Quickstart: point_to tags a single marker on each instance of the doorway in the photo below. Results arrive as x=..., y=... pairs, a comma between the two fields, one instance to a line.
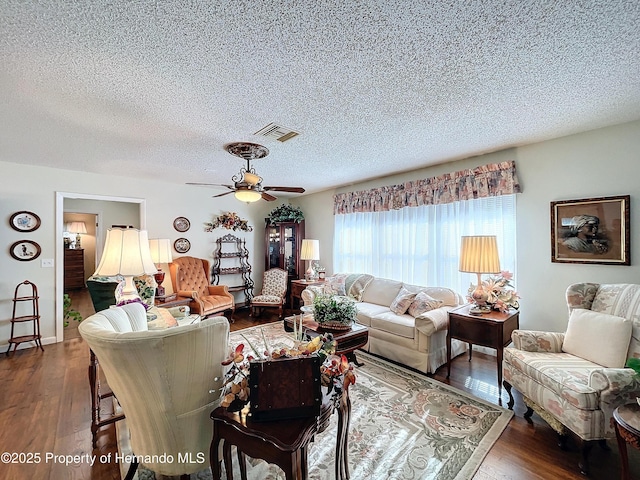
x=107, y=210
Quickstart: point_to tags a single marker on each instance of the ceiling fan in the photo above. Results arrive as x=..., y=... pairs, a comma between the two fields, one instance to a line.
x=247, y=184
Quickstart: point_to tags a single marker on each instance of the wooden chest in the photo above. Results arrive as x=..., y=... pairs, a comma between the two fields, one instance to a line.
x=285, y=388
x=73, y=268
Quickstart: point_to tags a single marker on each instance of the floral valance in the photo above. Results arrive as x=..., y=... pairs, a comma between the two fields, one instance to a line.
x=484, y=181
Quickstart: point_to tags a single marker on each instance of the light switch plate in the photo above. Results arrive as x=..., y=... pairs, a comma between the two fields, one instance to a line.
x=46, y=263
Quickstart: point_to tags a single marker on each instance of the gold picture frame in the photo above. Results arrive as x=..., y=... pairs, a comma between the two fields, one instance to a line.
x=591, y=230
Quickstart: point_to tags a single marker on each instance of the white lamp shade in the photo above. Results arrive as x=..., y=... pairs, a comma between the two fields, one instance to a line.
x=76, y=227
x=479, y=254
x=248, y=196
x=160, y=249
x=126, y=252
x=310, y=250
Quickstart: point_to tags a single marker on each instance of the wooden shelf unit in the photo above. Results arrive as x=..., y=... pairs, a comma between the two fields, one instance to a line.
x=232, y=248
x=34, y=317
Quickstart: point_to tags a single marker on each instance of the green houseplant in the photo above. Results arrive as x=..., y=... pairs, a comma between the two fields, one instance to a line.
x=334, y=312
x=68, y=313
x=286, y=213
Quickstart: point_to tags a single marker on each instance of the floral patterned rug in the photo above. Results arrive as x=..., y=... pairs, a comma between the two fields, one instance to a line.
x=403, y=425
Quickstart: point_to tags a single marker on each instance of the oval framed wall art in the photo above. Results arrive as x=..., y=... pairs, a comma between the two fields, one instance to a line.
x=25, y=250
x=181, y=224
x=24, y=221
x=182, y=245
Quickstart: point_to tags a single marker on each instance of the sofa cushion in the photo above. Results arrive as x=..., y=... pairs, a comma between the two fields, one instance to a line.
x=585, y=334
x=366, y=311
x=423, y=303
x=381, y=291
x=401, y=325
x=402, y=301
x=335, y=285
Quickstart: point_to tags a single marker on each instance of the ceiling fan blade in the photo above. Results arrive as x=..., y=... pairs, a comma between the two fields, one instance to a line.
x=285, y=189
x=212, y=185
x=267, y=197
x=222, y=194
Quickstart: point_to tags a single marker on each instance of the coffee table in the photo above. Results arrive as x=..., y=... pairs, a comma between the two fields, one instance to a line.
x=347, y=340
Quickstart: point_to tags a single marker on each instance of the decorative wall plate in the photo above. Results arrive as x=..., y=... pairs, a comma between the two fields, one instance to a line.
x=182, y=245
x=24, y=221
x=25, y=250
x=181, y=224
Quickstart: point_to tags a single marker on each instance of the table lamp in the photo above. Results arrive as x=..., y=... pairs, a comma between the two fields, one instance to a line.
x=160, y=253
x=126, y=252
x=310, y=250
x=479, y=254
x=77, y=228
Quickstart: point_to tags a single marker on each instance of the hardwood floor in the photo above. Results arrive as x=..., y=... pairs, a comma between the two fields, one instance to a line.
x=46, y=410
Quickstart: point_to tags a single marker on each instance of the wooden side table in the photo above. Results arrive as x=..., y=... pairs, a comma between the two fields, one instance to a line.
x=492, y=329
x=297, y=286
x=282, y=442
x=627, y=423
x=176, y=302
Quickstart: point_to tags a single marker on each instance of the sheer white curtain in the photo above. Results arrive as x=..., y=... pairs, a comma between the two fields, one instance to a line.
x=421, y=245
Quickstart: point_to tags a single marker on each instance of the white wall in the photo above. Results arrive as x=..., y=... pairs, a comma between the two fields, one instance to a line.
x=34, y=189
x=597, y=163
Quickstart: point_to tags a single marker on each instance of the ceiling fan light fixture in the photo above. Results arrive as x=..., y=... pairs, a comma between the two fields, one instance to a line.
x=248, y=196
x=251, y=178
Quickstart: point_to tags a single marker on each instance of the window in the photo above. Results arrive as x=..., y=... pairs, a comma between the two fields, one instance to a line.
x=421, y=245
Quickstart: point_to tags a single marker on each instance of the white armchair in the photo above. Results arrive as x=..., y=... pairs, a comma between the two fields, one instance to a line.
x=574, y=380
x=162, y=380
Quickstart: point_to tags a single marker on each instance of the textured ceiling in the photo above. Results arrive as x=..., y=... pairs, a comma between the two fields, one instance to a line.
x=155, y=88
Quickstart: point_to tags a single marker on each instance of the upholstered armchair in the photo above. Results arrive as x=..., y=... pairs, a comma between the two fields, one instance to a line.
x=162, y=380
x=574, y=380
x=106, y=291
x=190, y=277
x=274, y=291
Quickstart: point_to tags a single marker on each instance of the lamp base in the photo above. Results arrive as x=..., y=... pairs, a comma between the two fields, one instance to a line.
x=479, y=310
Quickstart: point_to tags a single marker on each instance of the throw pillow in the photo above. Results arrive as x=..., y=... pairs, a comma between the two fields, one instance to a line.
x=335, y=285
x=423, y=303
x=402, y=301
x=598, y=337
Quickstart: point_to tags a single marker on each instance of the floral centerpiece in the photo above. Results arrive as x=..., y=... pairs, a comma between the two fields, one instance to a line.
x=334, y=312
x=500, y=293
x=336, y=371
x=286, y=213
x=230, y=221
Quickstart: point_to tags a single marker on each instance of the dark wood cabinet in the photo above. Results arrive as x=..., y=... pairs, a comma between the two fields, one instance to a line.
x=283, y=241
x=73, y=268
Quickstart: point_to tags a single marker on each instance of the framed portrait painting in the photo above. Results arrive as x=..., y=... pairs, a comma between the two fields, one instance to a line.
x=591, y=230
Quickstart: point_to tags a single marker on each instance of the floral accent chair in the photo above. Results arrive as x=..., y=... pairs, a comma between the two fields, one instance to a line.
x=274, y=291
x=575, y=380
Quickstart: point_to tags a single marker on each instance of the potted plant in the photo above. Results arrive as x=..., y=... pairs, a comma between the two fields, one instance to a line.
x=68, y=313
x=286, y=213
x=334, y=312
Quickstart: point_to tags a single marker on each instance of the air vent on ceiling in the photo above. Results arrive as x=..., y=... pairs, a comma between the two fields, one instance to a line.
x=278, y=132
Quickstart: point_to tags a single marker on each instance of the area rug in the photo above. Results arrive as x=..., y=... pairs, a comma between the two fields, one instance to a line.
x=403, y=426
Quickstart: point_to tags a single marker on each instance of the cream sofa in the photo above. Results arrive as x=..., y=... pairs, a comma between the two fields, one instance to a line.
x=417, y=342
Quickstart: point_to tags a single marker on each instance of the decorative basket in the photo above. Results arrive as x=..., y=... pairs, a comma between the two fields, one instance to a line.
x=335, y=326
